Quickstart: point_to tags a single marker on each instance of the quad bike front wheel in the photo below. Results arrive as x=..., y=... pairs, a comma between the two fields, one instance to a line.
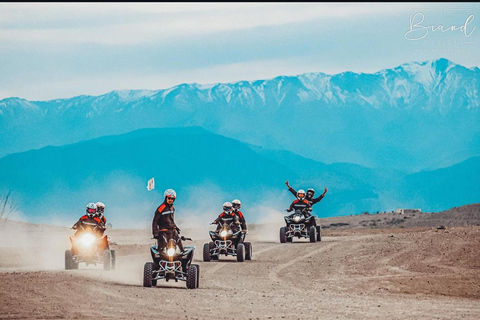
x=69, y=260
x=114, y=259
x=148, y=274
x=198, y=274
x=283, y=234
x=240, y=252
x=192, y=277
x=206, y=252
x=107, y=259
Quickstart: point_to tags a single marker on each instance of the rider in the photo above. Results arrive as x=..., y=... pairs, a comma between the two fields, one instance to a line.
x=90, y=218
x=302, y=204
x=100, y=212
x=310, y=194
x=227, y=216
x=236, y=205
x=163, y=225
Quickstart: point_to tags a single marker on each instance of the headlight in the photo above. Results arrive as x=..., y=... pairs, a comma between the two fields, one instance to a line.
x=296, y=218
x=223, y=233
x=170, y=252
x=86, y=240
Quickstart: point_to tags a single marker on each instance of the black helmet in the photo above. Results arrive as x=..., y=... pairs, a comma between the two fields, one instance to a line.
x=310, y=193
x=236, y=204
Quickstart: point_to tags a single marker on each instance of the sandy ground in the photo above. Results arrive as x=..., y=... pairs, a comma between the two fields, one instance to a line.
x=395, y=273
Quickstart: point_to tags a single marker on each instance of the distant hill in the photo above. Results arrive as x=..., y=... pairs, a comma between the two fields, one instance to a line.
x=467, y=215
x=207, y=169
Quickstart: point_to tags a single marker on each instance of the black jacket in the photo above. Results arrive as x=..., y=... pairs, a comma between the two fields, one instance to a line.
x=164, y=218
x=241, y=218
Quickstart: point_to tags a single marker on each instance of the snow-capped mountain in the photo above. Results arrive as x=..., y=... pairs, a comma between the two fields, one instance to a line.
x=414, y=116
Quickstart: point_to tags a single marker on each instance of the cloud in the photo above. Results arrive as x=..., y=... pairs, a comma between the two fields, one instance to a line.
x=132, y=24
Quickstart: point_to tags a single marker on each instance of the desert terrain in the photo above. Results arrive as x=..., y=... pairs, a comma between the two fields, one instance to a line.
x=365, y=267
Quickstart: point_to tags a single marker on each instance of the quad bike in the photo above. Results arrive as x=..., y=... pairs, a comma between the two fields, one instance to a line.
x=227, y=242
x=91, y=247
x=300, y=224
x=170, y=264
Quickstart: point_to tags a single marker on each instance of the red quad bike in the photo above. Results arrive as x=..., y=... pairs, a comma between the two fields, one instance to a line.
x=91, y=247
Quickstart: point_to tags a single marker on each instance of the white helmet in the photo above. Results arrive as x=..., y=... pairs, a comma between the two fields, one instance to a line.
x=301, y=194
x=91, y=209
x=227, y=207
x=236, y=204
x=100, y=208
x=170, y=193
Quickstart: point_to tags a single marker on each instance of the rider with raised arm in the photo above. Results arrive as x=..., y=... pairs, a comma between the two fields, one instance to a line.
x=310, y=194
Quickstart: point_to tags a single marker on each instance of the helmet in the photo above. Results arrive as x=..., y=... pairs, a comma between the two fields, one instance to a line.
x=91, y=209
x=100, y=208
x=170, y=193
x=236, y=204
x=227, y=207
x=310, y=193
x=301, y=194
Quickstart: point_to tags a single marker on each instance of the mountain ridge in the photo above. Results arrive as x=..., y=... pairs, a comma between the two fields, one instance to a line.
x=352, y=117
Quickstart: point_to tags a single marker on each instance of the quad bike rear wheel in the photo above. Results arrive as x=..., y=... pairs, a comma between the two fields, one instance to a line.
x=248, y=251
x=312, y=233
x=319, y=233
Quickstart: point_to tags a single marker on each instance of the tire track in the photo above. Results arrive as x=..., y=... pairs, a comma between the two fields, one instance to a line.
x=273, y=274
x=215, y=283
x=221, y=265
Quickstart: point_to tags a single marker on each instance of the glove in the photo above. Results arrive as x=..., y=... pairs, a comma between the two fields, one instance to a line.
x=155, y=235
x=182, y=238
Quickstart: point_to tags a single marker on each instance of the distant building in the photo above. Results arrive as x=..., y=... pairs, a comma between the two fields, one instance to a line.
x=404, y=211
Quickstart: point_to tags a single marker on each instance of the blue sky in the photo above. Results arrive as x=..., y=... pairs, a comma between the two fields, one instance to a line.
x=50, y=50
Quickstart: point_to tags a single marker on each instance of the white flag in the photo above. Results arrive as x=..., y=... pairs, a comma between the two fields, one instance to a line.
x=151, y=184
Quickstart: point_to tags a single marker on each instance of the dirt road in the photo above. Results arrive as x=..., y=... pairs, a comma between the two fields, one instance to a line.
x=416, y=273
